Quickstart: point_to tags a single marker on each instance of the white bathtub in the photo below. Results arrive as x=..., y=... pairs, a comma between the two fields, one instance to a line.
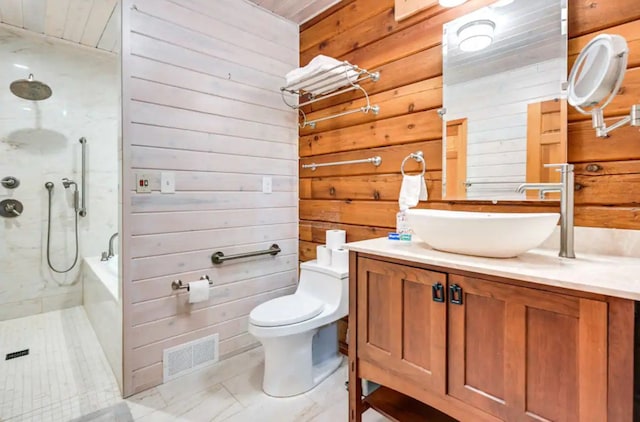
x=106, y=272
x=101, y=301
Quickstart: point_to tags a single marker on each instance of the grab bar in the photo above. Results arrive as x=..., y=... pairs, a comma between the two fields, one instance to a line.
x=219, y=257
x=376, y=161
x=83, y=208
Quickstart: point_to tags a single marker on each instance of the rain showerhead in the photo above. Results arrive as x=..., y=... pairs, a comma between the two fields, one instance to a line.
x=30, y=89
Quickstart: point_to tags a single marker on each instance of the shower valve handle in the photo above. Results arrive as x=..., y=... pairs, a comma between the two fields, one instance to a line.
x=11, y=209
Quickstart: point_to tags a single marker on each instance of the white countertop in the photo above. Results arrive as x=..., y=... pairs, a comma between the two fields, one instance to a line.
x=608, y=275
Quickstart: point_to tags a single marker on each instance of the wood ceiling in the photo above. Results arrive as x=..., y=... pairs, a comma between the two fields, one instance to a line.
x=92, y=23
x=298, y=11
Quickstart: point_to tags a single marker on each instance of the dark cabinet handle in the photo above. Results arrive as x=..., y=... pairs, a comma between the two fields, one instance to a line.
x=437, y=292
x=455, y=294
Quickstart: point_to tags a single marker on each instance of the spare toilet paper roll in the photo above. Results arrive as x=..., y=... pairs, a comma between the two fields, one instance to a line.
x=340, y=259
x=198, y=291
x=336, y=238
x=323, y=255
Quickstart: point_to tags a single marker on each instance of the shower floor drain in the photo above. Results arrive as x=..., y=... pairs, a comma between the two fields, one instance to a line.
x=17, y=354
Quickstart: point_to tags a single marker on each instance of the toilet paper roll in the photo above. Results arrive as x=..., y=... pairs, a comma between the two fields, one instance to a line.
x=340, y=259
x=336, y=238
x=198, y=291
x=323, y=255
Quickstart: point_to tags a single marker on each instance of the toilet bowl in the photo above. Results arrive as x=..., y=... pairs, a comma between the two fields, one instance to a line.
x=299, y=331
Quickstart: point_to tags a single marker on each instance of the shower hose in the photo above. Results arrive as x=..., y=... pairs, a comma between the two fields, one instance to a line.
x=75, y=260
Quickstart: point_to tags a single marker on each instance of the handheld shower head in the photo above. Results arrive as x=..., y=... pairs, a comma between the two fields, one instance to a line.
x=49, y=186
x=67, y=182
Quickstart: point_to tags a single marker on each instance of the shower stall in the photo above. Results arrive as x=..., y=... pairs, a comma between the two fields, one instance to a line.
x=59, y=187
x=59, y=140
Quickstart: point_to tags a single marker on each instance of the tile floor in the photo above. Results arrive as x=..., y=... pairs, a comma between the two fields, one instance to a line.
x=66, y=376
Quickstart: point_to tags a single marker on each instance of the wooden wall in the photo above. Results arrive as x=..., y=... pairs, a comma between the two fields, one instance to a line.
x=363, y=199
x=201, y=98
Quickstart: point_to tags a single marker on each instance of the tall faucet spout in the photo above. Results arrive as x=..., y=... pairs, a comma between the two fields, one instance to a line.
x=111, y=239
x=566, y=189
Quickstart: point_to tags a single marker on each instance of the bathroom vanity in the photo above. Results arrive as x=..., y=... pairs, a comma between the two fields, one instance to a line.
x=452, y=337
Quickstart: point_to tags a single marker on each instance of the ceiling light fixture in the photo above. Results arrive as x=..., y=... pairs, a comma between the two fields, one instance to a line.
x=501, y=3
x=476, y=35
x=451, y=3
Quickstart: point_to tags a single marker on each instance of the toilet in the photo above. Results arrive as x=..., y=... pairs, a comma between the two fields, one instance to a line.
x=299, y=331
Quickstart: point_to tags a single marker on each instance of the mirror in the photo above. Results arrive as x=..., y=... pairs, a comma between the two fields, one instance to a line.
x=595, y=79
x=504, y=109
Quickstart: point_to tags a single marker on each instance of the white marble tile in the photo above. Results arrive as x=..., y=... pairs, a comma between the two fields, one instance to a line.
x=591, y=240
x=174, y=390
x=212, y=404
x=39, y=142
x=145, y=403
x=293, y=409
x=20, y=309
x=62, y=301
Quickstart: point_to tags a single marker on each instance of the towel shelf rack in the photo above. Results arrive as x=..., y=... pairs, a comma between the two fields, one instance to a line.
x=376, y=161
x=340, y=79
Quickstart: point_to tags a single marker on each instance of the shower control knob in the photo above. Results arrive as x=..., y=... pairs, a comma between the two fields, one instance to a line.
x=10, y=208
x=10, y=182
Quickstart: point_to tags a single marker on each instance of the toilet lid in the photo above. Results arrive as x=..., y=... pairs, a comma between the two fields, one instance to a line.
x=285, y=310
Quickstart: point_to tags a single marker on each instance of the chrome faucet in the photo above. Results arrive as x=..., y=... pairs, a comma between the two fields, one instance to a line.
x=108, y=255
x=566, y=188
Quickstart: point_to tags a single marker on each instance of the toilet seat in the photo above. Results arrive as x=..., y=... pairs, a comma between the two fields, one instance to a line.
x=285, y=310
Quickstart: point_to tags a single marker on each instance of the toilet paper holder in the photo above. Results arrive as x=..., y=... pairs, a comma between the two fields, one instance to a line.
x=178, y=285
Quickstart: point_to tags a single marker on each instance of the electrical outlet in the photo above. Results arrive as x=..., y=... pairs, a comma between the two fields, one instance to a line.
x=143, y=185
x=167, y=182
x=267, y=184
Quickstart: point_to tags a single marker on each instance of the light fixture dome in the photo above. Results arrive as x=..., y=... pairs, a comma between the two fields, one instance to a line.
x=476, y=35
x=451, y=3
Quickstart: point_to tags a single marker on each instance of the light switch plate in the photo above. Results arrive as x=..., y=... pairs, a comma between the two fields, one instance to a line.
x=167, y=182
x=267, y=184
x=143, y=183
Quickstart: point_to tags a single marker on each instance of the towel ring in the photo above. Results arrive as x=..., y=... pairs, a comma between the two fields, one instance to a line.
x=418, y=156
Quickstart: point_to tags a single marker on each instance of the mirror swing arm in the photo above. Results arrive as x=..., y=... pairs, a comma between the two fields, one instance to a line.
x=598, y=74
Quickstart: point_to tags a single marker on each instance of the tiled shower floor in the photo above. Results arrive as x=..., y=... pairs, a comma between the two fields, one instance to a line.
x=65, y=375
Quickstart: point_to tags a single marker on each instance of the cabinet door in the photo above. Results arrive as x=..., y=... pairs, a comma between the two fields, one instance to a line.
x=526, y=355
x=402, y=321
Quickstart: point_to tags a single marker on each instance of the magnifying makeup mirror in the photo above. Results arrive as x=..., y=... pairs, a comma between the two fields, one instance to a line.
x=596, y=78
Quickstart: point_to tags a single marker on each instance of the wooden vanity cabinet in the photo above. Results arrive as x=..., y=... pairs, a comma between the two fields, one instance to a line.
x=400, y=325
x=487, y=350
x=523, y=354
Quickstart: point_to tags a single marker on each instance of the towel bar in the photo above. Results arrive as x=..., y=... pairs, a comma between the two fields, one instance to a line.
x=376, y=161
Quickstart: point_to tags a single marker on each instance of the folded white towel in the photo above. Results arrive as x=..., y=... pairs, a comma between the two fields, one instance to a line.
x=413, y=190
x=322, y=75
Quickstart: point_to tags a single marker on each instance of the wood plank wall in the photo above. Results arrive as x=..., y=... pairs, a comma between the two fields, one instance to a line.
x=201, y=98
x=362, y=198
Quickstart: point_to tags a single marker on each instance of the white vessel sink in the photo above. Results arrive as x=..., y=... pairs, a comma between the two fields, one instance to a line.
x=493, y=235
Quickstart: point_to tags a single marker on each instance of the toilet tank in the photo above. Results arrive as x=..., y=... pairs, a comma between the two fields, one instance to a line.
x=330, y=285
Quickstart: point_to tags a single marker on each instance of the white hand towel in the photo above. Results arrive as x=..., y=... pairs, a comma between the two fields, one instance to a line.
x=322, y=75
x=413, y=190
